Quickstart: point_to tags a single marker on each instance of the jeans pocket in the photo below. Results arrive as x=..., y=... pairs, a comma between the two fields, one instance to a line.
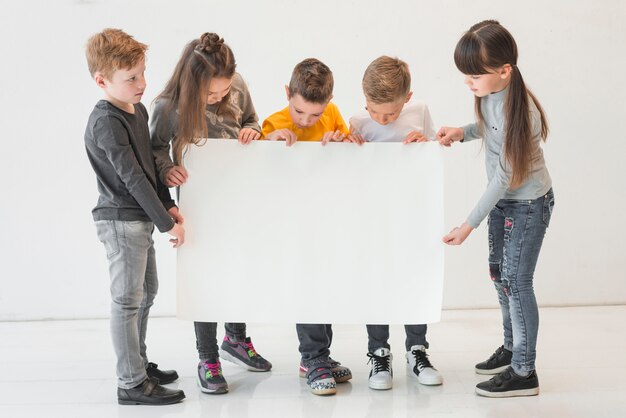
x=548, y=206
x=107, y=234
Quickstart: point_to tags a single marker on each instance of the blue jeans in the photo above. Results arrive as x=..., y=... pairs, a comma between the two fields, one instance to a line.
x=134, y=284
x=516, y=231
x=378, y=336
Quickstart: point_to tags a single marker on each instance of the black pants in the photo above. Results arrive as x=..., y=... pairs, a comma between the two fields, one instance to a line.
x=206, y=337
x=378, y=336
x=315, y=340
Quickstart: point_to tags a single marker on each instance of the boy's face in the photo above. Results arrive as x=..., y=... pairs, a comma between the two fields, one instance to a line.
x=126, y=86
x=304, y=114
x=385, y=113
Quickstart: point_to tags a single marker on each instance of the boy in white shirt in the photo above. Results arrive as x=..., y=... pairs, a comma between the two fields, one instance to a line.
x=390, y=117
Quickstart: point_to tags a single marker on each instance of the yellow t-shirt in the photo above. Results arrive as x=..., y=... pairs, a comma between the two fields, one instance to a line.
x=330, y=120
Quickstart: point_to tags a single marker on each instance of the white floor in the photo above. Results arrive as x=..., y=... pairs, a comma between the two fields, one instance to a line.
x=66, y=369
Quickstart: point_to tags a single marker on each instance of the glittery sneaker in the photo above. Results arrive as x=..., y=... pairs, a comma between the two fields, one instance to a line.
x=507, y=384
x=417, y=360
x=340, y=373
x=210, y=378
x=498, y=362
x=243, y=354
x=321, y=381
x=381, y=375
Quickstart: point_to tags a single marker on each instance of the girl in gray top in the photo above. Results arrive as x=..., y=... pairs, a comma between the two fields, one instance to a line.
x=518, y=200
x=206, y=98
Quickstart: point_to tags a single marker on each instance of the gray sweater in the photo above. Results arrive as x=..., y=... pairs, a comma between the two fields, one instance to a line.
x=164, y=125
x=499, y=171
x=118, y=148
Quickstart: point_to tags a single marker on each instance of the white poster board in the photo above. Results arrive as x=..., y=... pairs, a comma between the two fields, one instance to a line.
x=312, y=234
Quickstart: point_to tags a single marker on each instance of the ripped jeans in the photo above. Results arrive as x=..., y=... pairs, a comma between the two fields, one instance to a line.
x=516, y=231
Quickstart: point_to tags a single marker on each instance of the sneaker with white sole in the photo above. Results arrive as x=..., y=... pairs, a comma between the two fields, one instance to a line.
x=507, y=384
x=340, y=373
x=321, y=381
x=417, y=360
x=243, y=354
x=210, y=378
x=381, y=375
x=498, y=362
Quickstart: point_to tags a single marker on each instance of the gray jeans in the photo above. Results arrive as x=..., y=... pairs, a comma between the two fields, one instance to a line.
x=134, y=283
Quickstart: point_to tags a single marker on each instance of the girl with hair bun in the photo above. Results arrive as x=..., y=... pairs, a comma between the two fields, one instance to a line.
x=206, y=98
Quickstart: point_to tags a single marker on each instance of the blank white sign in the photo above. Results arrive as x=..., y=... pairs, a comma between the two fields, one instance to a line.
x=312, y=234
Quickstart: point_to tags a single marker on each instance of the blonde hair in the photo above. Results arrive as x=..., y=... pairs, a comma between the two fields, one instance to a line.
x=386, y=80
x=112, y=50
x=313, y=80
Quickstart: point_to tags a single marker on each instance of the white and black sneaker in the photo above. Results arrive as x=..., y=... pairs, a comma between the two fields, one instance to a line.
x=381, y=375
x=417, y=360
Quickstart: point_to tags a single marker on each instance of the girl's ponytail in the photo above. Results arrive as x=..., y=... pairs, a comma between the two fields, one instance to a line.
x=488, y=46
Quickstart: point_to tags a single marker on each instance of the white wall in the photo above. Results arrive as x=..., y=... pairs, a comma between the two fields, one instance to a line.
x=51, y=264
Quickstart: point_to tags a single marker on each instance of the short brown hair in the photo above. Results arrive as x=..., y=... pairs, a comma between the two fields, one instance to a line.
x=386, y=80
x=112, y=50
x=313, y=80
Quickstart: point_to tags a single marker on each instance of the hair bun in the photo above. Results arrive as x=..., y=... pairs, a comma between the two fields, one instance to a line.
x=210, y=42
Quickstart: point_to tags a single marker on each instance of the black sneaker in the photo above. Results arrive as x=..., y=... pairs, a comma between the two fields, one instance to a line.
x=508, y=384
x=495, y=364
x=149, y=393
x=164, y=376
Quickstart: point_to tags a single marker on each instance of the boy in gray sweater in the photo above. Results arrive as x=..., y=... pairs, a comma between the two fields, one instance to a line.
x=132, y=201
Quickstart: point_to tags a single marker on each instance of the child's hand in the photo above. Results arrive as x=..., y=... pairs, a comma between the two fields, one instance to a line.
x=283, y=135
x=247, y=135
x=178, y=232
x=415, y=136
x=447, y=135
x=356, y=138
x=458, y=234
x=176, y=215
x=176, y=176
x=336, y=136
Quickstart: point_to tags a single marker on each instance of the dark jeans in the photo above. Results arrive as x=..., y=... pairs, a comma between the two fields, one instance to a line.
x=516, y=231
x=206, y=337
x=378, y=336
x=315, y=341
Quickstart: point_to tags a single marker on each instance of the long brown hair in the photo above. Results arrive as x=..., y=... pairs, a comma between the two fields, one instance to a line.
x=186, y=91
x=487, y=46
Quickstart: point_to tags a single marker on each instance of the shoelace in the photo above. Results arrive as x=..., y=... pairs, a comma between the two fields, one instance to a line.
x=380, y=364
x=251, y=351
x=214, y=368
x=421, y=359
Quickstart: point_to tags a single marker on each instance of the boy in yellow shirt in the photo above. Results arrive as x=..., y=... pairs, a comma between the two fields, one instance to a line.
x=311, y=117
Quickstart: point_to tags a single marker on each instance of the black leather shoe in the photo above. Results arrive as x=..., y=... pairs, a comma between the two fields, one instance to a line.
x=164, y=376
x=149, y=393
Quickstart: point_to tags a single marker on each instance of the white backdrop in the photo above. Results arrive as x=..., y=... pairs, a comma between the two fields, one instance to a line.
x=51, y=264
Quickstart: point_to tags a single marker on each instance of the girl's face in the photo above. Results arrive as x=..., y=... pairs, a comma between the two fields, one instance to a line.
x=218, y=88
x=494, y=81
